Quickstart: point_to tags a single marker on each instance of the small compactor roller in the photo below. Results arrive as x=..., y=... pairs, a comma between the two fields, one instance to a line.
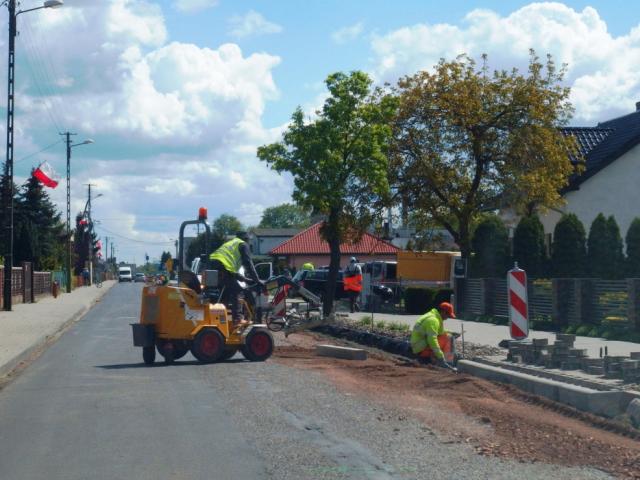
x=175, y=319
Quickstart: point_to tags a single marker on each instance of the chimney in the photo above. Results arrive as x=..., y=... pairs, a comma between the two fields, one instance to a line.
x=637, y=106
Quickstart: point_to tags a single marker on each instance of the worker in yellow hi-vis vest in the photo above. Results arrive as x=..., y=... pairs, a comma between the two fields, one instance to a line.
x=228, y=259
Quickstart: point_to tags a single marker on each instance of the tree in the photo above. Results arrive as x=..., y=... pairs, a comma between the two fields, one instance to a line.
x=528, y=246
x=286, y=215
x=569, y=253
x=616, y=267
x=491, y=249
x=632, y=240
x=604, y=249
x=197, y=246
x=226, y=225
x=467, y=141
x=339, y=162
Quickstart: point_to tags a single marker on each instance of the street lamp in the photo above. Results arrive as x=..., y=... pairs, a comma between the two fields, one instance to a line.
x=69, y=147
x=8, y=259
x=87, y=213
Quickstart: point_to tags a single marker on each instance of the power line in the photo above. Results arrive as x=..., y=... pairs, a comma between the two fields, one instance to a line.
x=39, y=151
x=133, y=239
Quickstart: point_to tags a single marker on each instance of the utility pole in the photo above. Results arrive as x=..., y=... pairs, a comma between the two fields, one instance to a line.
x=88, y=209
x=68, y=256
x=8, y=166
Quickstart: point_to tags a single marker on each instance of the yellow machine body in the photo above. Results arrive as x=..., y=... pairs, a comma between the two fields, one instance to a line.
x=178, y=313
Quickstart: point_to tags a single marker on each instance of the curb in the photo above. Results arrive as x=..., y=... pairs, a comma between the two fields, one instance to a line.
x=18, y=361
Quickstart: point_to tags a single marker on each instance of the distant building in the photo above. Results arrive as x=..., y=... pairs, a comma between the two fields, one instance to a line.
x=308, y=246
x=263, y=240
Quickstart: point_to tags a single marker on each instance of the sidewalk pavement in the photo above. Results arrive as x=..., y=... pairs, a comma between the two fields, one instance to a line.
x=489, y=334
x=30, y=325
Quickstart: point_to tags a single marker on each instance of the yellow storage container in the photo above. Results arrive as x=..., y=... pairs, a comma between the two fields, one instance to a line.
x=426, y=266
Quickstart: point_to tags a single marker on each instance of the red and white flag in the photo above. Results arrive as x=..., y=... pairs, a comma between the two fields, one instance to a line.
x=47, y=175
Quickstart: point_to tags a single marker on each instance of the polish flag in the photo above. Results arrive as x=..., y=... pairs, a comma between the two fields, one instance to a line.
x=47, y=175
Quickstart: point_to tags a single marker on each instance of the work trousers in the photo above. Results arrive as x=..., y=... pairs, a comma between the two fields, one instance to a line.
x=232, y=289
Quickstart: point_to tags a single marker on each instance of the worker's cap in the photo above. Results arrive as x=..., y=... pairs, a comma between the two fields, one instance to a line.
x=447, y=308
x=354, y=259
x=242, y=235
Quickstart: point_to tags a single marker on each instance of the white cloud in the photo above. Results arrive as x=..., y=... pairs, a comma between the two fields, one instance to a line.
x=347, y=34
x=176, y=125
x=604, y=70
x=250, y=24
x=192, y=6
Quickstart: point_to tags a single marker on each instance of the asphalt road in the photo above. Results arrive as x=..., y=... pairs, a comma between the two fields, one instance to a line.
x=88, y=408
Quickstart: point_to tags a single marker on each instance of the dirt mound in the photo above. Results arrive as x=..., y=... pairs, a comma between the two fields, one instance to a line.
x=497, y=419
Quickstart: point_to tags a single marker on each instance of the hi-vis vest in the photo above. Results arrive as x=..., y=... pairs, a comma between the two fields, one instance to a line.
x=229, y=255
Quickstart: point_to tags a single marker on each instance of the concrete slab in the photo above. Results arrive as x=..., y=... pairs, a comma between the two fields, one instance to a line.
x=347, y=353
x=606, y=403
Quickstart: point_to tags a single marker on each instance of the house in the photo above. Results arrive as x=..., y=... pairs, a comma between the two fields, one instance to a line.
x=610, y=180
x=263, y=240
x=308, y=246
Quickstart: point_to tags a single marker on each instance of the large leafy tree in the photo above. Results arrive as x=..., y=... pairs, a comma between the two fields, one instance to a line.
x=226, y=225
x=467, y=140
x=286, y=215
x=528, y=246
x=339, y=161
x=38, y=228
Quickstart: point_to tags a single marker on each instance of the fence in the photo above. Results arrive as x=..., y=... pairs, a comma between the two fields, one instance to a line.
x=561, y=301
x=26, y=285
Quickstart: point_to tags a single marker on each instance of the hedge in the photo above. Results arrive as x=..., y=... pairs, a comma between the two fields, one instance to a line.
x=419, y=300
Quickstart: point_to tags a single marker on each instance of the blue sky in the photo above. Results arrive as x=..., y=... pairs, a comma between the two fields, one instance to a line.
x=178, y=94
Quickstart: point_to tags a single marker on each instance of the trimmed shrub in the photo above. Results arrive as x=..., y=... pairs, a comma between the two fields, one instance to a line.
x=571, y=329
x=528, y=246
x=569, y=250
x=604, y=249
x=632, y=240
x=594, y=332
x=583, y=330
x=490, y=244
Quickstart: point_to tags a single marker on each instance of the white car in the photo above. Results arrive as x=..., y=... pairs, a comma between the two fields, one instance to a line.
x=125, y=275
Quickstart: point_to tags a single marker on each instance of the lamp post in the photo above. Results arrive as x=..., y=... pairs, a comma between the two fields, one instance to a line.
x=69, y=147
x=8, y=172
x=87, y=214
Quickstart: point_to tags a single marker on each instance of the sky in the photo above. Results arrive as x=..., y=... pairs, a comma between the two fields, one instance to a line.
x=178, y=94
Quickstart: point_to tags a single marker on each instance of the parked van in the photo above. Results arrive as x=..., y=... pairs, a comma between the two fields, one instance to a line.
x=124, y=274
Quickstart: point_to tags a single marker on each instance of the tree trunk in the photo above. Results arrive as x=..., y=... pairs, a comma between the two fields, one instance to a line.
x=334, y=265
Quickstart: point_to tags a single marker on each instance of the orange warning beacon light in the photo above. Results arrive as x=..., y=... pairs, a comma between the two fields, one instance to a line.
x=202, y=213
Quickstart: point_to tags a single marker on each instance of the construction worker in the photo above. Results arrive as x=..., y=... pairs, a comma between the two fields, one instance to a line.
x=353, y=283
x=228, y=259
x=308, y=266
x=430, y=342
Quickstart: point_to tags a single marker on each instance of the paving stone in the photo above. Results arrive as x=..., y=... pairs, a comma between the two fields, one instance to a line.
x=341, y=352
x=595, y=370
x=633, y=410
x=635, y=355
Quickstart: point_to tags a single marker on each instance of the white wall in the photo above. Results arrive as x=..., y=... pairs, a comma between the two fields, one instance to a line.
x=614, y=190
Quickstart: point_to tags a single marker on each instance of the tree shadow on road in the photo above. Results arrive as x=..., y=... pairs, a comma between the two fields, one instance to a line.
x=124, y=366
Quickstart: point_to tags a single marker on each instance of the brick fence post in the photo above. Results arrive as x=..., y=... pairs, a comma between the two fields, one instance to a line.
x=584, y=289
x=559, y=304
x=633, y=303
x=488, y=295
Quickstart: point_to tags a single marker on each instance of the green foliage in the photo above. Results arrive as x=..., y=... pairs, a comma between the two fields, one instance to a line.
x=632, y=240
x=571, y=329
x=286, y=215
x=380, y=325
x=39, y=234
x=569, y=251
x=339, y=161
x=528, y=246
x=604, y=249
x=226, y=225
x=465, y=136
x=491, y=249
x=583, y=330
x=419, y=300
x=365, y=320
x=594, y=332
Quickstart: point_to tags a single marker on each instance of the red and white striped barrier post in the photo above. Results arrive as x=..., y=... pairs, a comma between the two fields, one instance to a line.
x=518, y=303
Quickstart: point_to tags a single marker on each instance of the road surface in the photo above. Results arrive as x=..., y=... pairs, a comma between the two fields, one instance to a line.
x=88, y=408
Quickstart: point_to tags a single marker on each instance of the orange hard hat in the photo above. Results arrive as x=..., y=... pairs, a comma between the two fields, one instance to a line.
x=447, y=308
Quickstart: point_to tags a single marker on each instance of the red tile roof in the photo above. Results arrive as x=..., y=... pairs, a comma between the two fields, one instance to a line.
x=309, y=242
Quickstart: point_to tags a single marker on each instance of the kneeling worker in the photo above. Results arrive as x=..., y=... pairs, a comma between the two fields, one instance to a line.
x=229, y=258
x=429, y=338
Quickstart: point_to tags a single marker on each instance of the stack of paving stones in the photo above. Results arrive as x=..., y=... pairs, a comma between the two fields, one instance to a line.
x=562, y=354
